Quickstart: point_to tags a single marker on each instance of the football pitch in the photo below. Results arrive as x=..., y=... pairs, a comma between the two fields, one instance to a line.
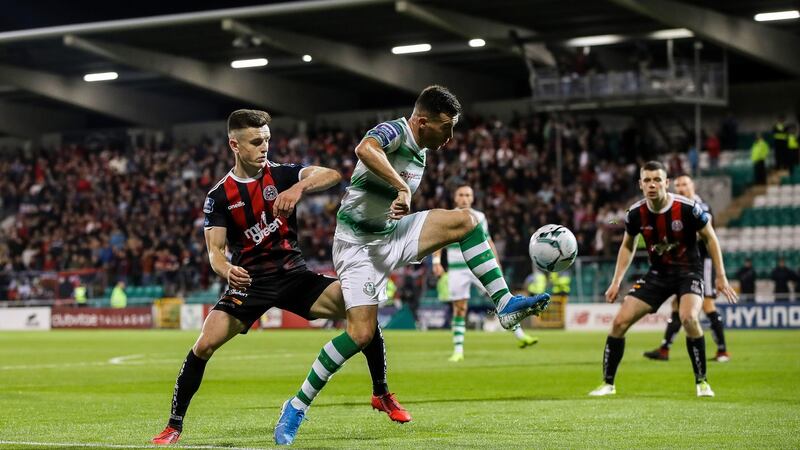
x=112, y=389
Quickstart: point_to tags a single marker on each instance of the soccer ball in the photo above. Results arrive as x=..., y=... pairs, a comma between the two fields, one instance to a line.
x=553, y=248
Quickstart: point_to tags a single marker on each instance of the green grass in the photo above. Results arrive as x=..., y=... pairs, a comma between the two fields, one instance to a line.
x=58, y=387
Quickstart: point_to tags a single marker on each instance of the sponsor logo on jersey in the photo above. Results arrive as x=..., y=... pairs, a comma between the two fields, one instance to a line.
x=677, y=225
x=270, y=193
x=236, y=205
x=262, y=229
x=410, y=176
x=208, y=206
x=664, y=247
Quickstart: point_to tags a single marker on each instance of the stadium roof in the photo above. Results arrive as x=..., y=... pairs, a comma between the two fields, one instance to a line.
x=173, y=58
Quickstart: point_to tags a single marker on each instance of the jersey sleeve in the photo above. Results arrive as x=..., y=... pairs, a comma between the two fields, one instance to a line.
x=214, y=209
x=286, y=175
x=388, y=134
x=632, y=219
x=699, y=217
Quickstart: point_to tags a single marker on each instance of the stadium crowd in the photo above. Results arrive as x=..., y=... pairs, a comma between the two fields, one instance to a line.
x=135, y=214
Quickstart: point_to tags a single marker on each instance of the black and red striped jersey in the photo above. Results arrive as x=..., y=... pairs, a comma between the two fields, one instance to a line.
x=260, y=242
x=670, y=235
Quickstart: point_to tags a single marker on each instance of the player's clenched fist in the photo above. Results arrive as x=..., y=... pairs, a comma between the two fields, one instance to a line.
x=238, y=277
x=286, y=201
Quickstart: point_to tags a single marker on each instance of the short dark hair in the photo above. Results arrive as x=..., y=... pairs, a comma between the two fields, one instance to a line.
x=682, y=174
x=436, y=100
x=247, y=118
x=654, y=165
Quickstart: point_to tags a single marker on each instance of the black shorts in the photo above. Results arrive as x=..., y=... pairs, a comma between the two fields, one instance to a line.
x=293, y=291
x=709, y=278
x=655, y=288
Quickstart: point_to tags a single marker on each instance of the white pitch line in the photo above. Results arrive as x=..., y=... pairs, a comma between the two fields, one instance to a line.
x=99, y=445
x=123, y=359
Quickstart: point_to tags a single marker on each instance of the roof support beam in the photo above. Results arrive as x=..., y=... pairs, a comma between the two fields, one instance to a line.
x=137, y=107
x=26, y=121
x=774, y=47
x=275, y=9
x=405, y=73
x=268, y=91
x=496, y=34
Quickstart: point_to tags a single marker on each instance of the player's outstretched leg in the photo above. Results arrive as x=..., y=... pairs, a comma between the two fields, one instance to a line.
x=382, y=399
x=662, y=352
x=525, y=340
x=218, y=328
x=443, y=227
x=483, y=264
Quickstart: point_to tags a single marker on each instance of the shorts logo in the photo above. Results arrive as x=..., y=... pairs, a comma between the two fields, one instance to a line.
x=697, y=287
x=270, y=193
x=677, y=225
x=369, y=288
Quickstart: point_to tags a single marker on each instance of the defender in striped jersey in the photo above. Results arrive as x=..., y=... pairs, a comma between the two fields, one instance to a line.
x=460, y=279
x=670, y=225
x=251, y=211
x=376, y=233
x=685, y=186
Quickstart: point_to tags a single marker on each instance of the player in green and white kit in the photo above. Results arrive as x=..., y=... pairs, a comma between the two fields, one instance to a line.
x=376, y=233
x=460, y=279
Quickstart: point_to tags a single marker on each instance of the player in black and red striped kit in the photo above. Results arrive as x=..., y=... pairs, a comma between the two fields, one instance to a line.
x=251, y=212
x=685, y=186
x=671, y=225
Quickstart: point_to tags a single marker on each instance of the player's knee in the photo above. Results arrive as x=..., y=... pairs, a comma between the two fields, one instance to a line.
x=690, y=322
x=619, y=326
x=464, y=222
x=362, y=337
x=204, y=349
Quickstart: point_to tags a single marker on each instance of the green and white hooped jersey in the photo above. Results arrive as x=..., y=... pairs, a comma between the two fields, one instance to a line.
x=455, y=259
x=363, y=217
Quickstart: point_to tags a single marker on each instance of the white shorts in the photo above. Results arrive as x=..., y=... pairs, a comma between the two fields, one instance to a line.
x=459, y=282
x=364, y=270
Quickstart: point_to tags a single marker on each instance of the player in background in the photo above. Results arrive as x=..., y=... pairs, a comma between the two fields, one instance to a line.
x=251, y=210
x=376, y=233
x=671, y=225
x=685, y=186
x=460, y=279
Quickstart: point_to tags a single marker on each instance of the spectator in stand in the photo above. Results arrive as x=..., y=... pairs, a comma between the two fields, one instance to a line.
x=792, y=146
x=758, y=155
x=729, y=131
x=782, y=275
x=780, y=143
x=747, y=281
x=713, y=147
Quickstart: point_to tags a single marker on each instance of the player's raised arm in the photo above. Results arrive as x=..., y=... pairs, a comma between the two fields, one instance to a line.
x=709, y=236
x=624, y=258
x=236, y=276
x=312, y=179
x=370, y=153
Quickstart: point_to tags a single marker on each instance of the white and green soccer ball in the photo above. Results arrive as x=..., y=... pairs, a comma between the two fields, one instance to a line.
x=553, y=248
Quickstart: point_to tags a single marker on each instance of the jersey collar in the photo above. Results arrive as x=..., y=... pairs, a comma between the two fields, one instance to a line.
x=247, y=180
x=665, y=208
